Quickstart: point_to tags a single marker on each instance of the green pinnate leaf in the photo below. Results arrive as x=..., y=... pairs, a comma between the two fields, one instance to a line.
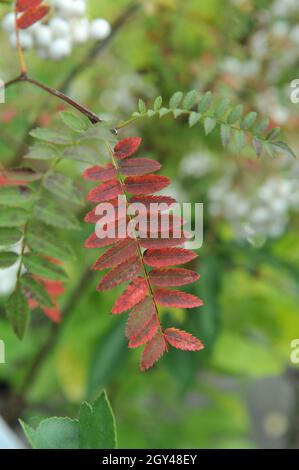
x=9, y=236
x=52, y=136
x=225, y=132
x=141, y=106
x=240, y=140
x=18, y=313
x=16, y=196
x=221, y=108
x=43, y=240
x=13, y=217
x=50, y=213
x=42, y=151
x=194, y=118
x=36, y=289
x=157, y=103
x=273, y=134
x=63, y=187
x=248, y=120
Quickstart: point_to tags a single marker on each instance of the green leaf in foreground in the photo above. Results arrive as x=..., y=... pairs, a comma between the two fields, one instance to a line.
x=43, y=267
x=18, y=313
x=63, y=187
x=43, y=240
x=15, y=196
x=52, y=137
x=95, y=429
x=50, y=213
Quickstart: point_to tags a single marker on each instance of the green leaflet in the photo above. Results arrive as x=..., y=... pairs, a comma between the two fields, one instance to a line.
x=75, y=122
x=95, y=429
x=50, y=213
x=16, y=196
x=63, y=187
x=43, y=267
x=41, y=151
x=13, y=217
x=37, y=290
x=51, y=136
x=9, y=236
x=44, y=240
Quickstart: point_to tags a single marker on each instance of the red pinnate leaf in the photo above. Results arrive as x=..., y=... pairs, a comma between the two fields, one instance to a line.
x=133, y=294
x=92, y=217
x=138, y=166
x=124, y=272
x=118, y=253
x=126, y=147
x=100, y=173
x=176, y=298
x=32, y=15
x=140, y=316
x=94, y=242
x=106, y=191
x=168, y=257
x=147, y=184
x=147, y=333
x=23, y=5
x=152, y=352
x=172, y=277
x=182, y=340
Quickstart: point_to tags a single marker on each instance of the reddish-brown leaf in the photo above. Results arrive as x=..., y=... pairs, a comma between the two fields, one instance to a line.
x=23, y=5
x=126, y=147
x=153, y=225
x=146, y=334
x=182, y=340
x=147, y=184
x=140, y=316
x=124, y=272
x=118, y=253
x=161, y=242
x=138, y=166
x=100, y=173
x=168, y=257
x=152, y=352
x=176, y=298
x=134, y=293
x=32, y=15
x=150, y=202
x=172, y=277
x=106, y=191
x=94, y=242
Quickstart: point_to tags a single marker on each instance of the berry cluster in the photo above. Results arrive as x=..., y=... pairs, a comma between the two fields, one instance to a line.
x=65, y=27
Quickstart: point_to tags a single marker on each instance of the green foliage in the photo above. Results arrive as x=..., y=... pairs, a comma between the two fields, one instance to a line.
x=94, y=429
x=233, y=124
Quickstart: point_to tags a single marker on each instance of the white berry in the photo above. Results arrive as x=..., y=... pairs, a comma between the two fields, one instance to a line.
x=43, y=36
x=100, y=29
x=60, y=28
x=59, y=49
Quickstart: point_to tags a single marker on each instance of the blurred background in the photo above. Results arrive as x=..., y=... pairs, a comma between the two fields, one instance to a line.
x=242, y=391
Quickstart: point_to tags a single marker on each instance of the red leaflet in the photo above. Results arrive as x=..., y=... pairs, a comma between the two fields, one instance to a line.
x=94, y=242
x=140, y=315
x=138, y=166
x=118, y=253
x=93, y=218
x=133, y=294
x=147, y=184
x=176, y=298
x=152, y=352
x=122, y=273
x=126, y=147
x=150, y=202
x=172, y=277
x=106, y=191
x=168, y=257
x=32, y=15
x=100, y=173
x=182, y=340
x=23, y=5
x=146, y=334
